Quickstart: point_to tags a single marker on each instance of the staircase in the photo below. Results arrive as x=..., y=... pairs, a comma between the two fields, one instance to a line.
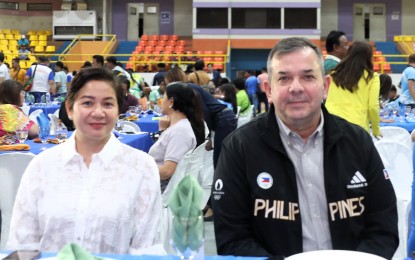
x=125, y=47
x=390, y=48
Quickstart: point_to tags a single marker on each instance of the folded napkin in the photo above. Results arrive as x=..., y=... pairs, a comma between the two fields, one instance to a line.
x=74, y=252
x=15, y=147
x=184, y=202
x=42, y=120
x=156, y=118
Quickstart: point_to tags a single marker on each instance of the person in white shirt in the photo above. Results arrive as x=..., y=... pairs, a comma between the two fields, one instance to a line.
x=43, y=78
x=112, y=64
x=92, y=189
x=4, y=71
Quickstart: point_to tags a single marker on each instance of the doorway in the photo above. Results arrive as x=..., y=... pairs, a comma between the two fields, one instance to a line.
x=135, y=21
x=369, y=22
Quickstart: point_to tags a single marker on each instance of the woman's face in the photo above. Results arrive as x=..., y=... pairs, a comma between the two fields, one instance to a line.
x=165, y=105
x=95, y=111
x=22, y=96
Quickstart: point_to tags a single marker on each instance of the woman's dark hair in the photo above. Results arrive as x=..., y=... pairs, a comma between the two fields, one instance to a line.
x=230, y=96
x=10, y=92
x=187, y=101
x=93, y=73
x=239, y=83
x=349, y=71
x=385, y=86
x=124, y=79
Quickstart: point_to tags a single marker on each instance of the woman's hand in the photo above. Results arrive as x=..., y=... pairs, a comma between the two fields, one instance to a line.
x=164, y=123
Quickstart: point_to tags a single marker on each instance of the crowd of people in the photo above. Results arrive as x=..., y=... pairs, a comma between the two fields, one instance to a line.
x=283, y=182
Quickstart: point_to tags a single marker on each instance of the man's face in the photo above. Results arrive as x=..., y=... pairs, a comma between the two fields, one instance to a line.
x=109, y=65
x=341, y=49
x=15, y=65
x=297, y=88
x=95, y=63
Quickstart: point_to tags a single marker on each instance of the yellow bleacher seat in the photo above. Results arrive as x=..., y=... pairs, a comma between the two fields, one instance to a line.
x=9, y=37
x=33, y=38
x=23, y=64
x=13, y=43
x=3, y=47
x=50, y=48
x=31, y=32
x=48, y=32
x=12, y=47
x=43, y=43
x=2, y=36
x=39, y=48
x=14, y=51
x=32, y=58
x=4, y=42
x=42, y=37
x=34, y=43
x=8, y=58
x=7, y=31
x=15, y=32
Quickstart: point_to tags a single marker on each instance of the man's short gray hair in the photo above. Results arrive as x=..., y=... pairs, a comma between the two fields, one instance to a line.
x=290, y=45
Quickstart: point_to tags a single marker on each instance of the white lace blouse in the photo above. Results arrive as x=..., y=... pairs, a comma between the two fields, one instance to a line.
x=113, y=206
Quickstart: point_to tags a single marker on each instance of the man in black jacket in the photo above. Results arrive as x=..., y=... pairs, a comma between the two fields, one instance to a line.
x=299, y=179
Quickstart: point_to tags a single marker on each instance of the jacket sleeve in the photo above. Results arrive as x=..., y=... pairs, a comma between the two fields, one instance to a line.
x=232, y=207
x=380, y=234
x=374, y=88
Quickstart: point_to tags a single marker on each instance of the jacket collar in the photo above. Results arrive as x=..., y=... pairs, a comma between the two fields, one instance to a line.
x=270, y=132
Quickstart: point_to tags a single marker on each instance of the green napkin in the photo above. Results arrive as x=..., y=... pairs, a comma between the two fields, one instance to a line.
x=187, y=222
x=74, y=252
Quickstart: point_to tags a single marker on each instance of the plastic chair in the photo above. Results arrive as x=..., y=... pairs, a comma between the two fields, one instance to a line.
x=411, y=237
x=245, y=117
x=39, y=48
x=56, y=113
x=397, y=134
x=33, y=116
x=397, y=159
x=50, y=48
x=12, y=167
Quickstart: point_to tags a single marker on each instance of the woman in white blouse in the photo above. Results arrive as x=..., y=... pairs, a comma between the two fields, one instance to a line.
x=91, y=190
x=182, y=129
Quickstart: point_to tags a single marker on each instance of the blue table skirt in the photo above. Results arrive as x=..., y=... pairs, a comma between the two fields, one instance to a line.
x=409, y=125
x=147, y=124
x=49, y=109
x=142, y=142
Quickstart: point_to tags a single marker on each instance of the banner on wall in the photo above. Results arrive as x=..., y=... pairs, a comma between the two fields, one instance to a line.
x=165, y=17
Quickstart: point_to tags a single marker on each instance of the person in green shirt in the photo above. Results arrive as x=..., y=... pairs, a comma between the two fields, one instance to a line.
x=157, y=94
x=242, y=98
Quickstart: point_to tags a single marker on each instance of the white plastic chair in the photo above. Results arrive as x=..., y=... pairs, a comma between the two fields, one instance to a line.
x=25, y=109
x=237, y=112
x=397, y=134
x=12, y=167
x=245, y=117
x=397, y=159
x=33, y=116
x=130, y=127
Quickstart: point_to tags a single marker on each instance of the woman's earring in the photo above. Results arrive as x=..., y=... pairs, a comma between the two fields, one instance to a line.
x=170, y=106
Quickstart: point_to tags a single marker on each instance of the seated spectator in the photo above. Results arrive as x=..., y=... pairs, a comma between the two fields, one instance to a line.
x=92, y=189
x=23, y=41
x=227, y=92
x=159, y=76
x=112, y=64
x=145, y=94
x=393, y=95
x=129, y=99
x=17, y=73
x=157, y=95
x=86, y=64
x=385, y=86
x=12, y=117
x=182, y=129
x=242, y=98
x=23, y=52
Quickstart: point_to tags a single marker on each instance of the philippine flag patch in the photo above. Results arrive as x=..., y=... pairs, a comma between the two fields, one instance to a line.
x=264, y=180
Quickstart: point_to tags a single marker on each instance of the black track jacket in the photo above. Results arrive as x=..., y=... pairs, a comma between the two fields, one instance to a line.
x=253, y=221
